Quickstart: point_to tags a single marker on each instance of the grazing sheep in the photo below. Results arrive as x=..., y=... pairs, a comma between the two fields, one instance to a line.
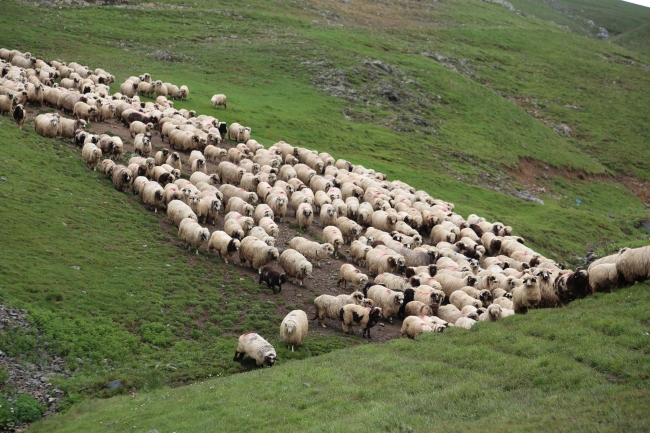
x=107, y=167
x=333, y=236
x=389, y=300
x=177, y=211
x=257, y=253
x=257, y=348
x=493, y=314
x=7, y=104
x=219, y=99
x=269, y=227
x=527, y=295
x=356, y=315
x=311, y=250
x=349, y=229
x=413, y=326
x=272, y=278
x=329, y=307
x=304, y=216
x=192, y=234
x=295, y=265
x=234, y=229
x=261, y=234
x=121, y=178
x=571, y=285
x=294, y=328
x=91, y=155
x=350, y=274
x=461, y=299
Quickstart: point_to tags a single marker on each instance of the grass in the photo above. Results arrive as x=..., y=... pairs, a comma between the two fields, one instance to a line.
x=584, y=368
x=488, y=91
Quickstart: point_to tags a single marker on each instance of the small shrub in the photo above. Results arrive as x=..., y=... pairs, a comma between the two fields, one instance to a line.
x=157, y=334
x=27, y=409
x=7, y=416
x=4, y=376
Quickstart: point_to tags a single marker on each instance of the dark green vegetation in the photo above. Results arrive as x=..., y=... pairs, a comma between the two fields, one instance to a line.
x=24, y=409
x=584, y=368
x=376, y=84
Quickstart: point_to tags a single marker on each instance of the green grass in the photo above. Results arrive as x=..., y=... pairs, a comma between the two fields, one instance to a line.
x=583, y=368
x=160, y=316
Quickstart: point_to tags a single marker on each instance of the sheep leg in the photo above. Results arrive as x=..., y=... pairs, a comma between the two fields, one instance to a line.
x=292, y=348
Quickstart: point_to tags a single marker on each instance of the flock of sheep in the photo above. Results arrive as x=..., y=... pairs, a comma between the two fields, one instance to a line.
x=430, y=267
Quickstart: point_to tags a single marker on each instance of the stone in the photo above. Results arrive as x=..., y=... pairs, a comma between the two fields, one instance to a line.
x=115, y=384
x=611, y=215
x=80, y=361
x=163, y=55
x=4, y=179
x=76, y=268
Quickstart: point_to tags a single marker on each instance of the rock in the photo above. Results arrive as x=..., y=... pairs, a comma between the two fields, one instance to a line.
x=646, y=224
x=4, y=179
x=44, y=379
x=602, y=34
x=163, y=55
x=47, y=4
x=152, y=431
x=305, y=384
x=80, y=361
x=611, y=215
x=76, y=268
x=116, y=384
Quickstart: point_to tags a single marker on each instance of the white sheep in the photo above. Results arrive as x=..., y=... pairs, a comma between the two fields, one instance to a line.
x=350, y=274
x=527, y=295
x=461, y=299
x=47, y=125
x=634, y=264
x=329, y=307
x=219, y=99
x=262, y=211
x=260, y=233
x=236, y=204
x=142, y=145
x=356, y=315
x=413, y=326
x=358, y=251
x=192, y=234
x=294, y=328
x=278, y=204
x=388, y=300
x=333, y=236
x=295, y=265
x=153, y=194
x=304, y=216
x=451, y=314
x=257, y=348
x=223, y=244
x=312, y=250
x=328, y=215
x=493, y=314
x=208, y=208
x=91, y=155
x=379, y=261
x=84, y=111
x=269, y=227
x=257, y=253
x=177, y=211
x=349, y=229
x=603, y=277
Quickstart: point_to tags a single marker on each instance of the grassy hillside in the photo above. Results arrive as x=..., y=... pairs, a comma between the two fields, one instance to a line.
x=584, y=368
x=445, y=96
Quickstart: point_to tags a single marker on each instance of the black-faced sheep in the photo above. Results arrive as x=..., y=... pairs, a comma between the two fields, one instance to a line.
x=329, y=307
x=356, y=315
x=389, y=300
x=311, y=250
x=219, y=99
x=257, y=348
x=122, y=178
x=223, y=244
x=350, y=274
x=177, y=211
x=295, y=265
x=91, y=155
x=257, y=253
x=192, y=234
x=413, y=326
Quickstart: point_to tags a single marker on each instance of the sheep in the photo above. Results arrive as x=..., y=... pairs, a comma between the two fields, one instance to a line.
x=417, y=308
x=382, y=220
x=224, y=245
x=219, y=99
x=451, y=314
x=47, y=125
x=461, y=299
x=278, y=204
x=387, y=299
x=230, y=173
x=208, y=208
x=84, y=111
x=349, y=229
x=269, y=227
x=428, y=295
x=138, y=127
x=236, y=204
x=239, y=133
x=294, y=328
x=569, y=286
x=142, y=145
x=160, y=157
x=121, y=178
x=153, y=194
x=413, y=326
x=7, y=103
x=192, y=234
x=91, y=155
x=450, y=283
x=234, y=229
x=257, y=348
x=328, y=215
x=634, y=265
x=465, y=322
x=356, y=315
x=177, y=211
x=272, y=278
x=350, y=274
x=261, y=234
x=210, y=179
x=333, y=236
x=379, y=261
x=311, y=250
x=527, y=295
x=485, y=296
x=603, y=277
x=257, y=253
x=327, y=306
x=295, y=265
x=262, y=211
x=503, y=302
x=214, y=154
x=493, y=314
x=304, y=216
x=107, y=167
